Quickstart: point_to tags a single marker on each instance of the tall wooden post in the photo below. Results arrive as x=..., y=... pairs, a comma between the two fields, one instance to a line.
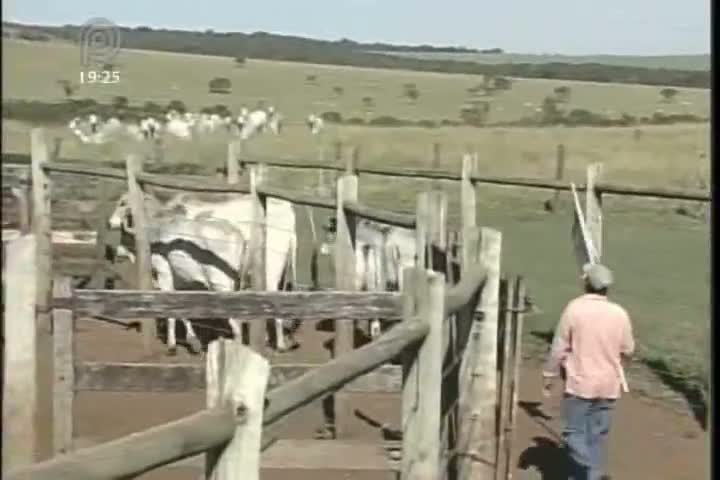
x=133, y=164
x=258, y=250
x=42, y=228
x=423, y=301
x=64, y=374
x=21, y=432
x=347, y=190
x=478, y=436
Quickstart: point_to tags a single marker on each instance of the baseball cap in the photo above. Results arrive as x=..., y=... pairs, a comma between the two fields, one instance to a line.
x=597, y=275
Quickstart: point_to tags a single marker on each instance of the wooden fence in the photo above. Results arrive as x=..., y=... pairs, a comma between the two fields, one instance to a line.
x=444, y=400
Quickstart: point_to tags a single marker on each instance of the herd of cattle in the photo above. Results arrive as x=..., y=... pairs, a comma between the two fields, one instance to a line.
x=202, y=242
x=186, y=126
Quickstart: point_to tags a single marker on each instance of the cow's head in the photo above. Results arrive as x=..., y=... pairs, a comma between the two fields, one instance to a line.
x=121, y=217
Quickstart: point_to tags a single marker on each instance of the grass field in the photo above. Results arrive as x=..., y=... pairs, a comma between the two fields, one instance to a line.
x=31, y=71
x=680, y=62
x=661, y=259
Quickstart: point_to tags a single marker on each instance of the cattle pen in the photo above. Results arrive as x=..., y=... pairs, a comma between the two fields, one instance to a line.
x=439, y=337
x=479, y=263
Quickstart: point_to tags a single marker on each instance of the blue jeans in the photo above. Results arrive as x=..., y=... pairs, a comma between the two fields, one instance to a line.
x=587, y=424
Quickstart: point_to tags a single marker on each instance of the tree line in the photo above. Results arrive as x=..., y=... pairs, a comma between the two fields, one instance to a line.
x=269, y=46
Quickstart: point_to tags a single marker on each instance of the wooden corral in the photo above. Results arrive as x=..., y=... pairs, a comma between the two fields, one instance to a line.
x=478, y=329
x=442, y=344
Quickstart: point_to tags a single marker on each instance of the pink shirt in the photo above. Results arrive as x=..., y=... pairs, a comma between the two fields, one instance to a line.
x=592, y=334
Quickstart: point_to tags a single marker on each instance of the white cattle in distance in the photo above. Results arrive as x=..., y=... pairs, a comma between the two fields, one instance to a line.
x=315, y=123
x=258, y=121
x=237, y=209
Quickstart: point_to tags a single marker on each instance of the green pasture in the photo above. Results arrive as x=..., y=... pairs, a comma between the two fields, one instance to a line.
x=661, y=259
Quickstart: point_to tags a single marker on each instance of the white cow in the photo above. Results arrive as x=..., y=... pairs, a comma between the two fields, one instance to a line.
x=381, y=254
x=281, y=240
x=258, y=121
x=179, y=127
x=315, y=123
x=186, y=252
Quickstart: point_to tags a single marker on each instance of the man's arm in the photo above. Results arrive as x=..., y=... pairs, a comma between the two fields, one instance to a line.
x=627, y=346
x=560, y=346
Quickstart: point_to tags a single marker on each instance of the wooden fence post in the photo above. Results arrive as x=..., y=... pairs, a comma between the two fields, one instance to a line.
x=64, y=375
x=423, y=301
x=505, y=329
x=593, y=207
x=22, y=197
x=468, y=206
x=347, y=190
x=515, y=362
x=559, y=172
x=41, y=186
x=238, y=376
x=258, y=250
x=232, y=166
x=20, y=432
x=133, y=166
x=103, y=211
x=479, y=434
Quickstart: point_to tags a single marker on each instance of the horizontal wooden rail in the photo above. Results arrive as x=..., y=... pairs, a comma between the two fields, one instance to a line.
x=84, y=168
x=248, y=305
x=342, y=370
x=137, y=453
x=297, y=198
x=462, y=293
x=175, y=378
x=381, y=216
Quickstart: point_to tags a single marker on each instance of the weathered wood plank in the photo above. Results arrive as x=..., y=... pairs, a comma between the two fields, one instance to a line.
x=515, y=361
x=125, y=304
x=504, y=369
x=140, y=452
x=340, y=371
x=422, y=374
x=136, y=199
x=258, y=249
x=41, y=190
x=174, y=378
x=387, y=217
x=20, y=391
x=236, y=376
x=347, y=191
x=479, y=436
x=64, y=372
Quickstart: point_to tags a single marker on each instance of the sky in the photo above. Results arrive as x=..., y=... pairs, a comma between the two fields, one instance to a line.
x=572, y=27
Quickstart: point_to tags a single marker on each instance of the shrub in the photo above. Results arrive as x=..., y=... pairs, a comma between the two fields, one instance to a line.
x=332, y=117
x=427, y=124
x=355, y=121
x=152, y=108
x=388, y=121
x=120, y=101
x=177, y=105
x=220, y=85
x=240, y=61
x=446, y=122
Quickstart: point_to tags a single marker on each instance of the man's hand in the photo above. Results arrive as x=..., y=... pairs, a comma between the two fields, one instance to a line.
x=547, y=386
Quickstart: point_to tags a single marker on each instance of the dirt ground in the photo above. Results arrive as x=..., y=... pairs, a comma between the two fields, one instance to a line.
x=647, y=441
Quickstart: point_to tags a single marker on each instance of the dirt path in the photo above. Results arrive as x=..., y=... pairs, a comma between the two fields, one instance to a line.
x=647, y=440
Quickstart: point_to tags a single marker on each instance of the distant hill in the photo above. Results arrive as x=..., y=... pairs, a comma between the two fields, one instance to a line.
x=699, y=62
x=270, y=46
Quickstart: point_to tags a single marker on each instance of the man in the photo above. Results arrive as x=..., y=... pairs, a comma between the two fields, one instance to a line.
x=592, y=336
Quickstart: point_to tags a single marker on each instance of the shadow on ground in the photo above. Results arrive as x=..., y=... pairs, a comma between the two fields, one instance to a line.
x=546, y=457
x=689, y=388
